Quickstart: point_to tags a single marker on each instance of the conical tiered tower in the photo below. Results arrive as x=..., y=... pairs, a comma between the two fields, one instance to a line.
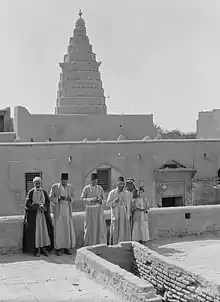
x=80, y=87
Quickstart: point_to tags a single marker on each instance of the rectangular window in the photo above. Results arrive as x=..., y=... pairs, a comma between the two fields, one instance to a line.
x=104, y=178
x=29, y=179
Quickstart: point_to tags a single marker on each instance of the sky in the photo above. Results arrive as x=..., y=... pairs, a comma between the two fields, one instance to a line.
x=158, y=56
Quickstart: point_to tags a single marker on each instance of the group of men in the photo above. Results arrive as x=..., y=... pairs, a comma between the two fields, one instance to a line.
x=41, y=236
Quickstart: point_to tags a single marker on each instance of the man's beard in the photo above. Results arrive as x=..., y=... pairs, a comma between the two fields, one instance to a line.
x=120, y=188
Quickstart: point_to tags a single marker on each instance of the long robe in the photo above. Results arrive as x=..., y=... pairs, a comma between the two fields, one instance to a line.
x=140, y=230
x=64, y=233
x=95, y=231
x=30, y=222
x=129, y=198
x=120, y=224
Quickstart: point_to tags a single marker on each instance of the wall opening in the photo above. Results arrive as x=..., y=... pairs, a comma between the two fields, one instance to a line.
x=1, y=123
x=29, y=179
x=174, y=201
x=104, y=178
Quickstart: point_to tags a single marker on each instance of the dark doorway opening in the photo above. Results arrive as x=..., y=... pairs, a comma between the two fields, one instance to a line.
x=1, y=123
x=174, y=201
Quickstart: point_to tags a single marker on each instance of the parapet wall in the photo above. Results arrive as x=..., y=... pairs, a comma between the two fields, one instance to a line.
x=164, y=223
x=77, y=127
x=179, y=222
x=144, y=275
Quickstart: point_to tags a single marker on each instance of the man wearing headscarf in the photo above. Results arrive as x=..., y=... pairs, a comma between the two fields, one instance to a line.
x=38, y=229
x=95, y=231
x=117, y=200
x=62, y=197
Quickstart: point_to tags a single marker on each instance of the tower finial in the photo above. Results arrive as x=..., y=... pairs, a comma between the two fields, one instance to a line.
x=80, y=13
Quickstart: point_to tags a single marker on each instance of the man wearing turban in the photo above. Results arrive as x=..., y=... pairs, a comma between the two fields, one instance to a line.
x=95, y=231
x=38, y=229
x=62, y=197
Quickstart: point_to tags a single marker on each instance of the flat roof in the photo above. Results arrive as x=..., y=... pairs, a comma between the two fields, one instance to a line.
x=120, y=142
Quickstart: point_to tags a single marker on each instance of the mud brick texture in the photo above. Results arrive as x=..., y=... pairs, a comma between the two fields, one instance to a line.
x=172, y=282
x=96, y=262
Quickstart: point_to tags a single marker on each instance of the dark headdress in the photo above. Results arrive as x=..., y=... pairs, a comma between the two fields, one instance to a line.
x=94, y=176
x=141, y=188
x=64, y=176
x=129, y=180
x=120, y=178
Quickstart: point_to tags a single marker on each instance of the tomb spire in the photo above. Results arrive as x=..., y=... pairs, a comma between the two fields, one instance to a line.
x=80, y=88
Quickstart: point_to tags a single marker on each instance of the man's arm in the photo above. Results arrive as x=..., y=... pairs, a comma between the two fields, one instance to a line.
x=111, y=200
x=52, y=196
x=72, y=194
x=30, y=205
x=84, y=196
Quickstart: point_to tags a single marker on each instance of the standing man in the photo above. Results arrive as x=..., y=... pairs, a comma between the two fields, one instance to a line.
x=38, y=228
x=62, y=196
x=95, y=231
x=130, y=189
x=117, y=200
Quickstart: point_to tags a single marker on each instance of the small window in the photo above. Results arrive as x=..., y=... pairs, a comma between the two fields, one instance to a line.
x=104, y=178
x=29, y=179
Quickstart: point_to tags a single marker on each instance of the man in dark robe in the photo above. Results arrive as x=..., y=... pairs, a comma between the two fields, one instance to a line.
x=38, y=228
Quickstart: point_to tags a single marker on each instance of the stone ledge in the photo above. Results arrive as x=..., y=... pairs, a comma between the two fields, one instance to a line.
x=11, y=231
x=164, y=224
x=113, y=277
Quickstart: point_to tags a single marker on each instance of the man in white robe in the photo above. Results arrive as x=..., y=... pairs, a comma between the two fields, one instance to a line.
x=62, y=197
x=95, y=231
x=120, y=226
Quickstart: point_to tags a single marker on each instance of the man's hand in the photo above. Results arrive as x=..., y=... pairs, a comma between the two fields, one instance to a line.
x=69, y=199
x=93, y=200
x=41, y=207
x=99, y=200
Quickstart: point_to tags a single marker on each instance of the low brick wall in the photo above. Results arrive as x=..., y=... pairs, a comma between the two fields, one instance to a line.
x=163, y=278
x=91, y=261
x=172, y=281
x=11, y=231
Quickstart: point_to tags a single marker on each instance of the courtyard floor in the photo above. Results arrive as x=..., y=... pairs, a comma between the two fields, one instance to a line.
x=199, y=256
x=25, y=278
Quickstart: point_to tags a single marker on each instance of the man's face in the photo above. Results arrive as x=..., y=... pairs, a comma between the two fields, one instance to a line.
x=64, y=182
x=120, y=185
x=94, y=182
x=37, y=184
x=141, y=193
x=130, y=186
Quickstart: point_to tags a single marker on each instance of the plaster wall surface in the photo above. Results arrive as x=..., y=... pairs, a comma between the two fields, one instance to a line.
x=180, y=222
x=208, y=124
x=135, y=159
x=7, y=137
x=164, y=224
x=70, y=127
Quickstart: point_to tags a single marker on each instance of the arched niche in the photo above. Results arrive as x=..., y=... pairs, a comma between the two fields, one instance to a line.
x=114, y=173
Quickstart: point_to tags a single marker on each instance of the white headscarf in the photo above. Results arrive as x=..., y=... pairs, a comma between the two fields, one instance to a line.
x=38, y=195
